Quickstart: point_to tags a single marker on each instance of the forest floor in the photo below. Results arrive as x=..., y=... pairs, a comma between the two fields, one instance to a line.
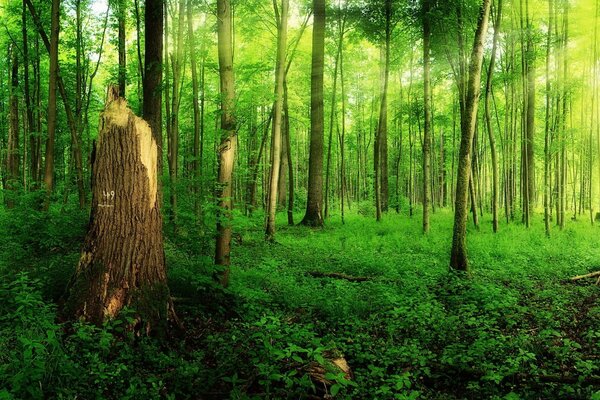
x=407, y=328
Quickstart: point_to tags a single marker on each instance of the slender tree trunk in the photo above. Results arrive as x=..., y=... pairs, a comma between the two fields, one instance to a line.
x=226, y=150
x=488, y=120
x=332, y=118
x=196, y=108
x=313, y=216
x=458, y=258
x=51, y=118
x=547, y=124
x=286, y=120
x=30, y=129
x=13, y=157
x=427, y=112
x=153, y=67
x=277, y=118
x=141, y=72
x=121, y=14
x=173, y=142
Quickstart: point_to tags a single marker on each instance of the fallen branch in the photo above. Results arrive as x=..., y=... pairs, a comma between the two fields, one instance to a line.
x=590, y=275
x=336, y=275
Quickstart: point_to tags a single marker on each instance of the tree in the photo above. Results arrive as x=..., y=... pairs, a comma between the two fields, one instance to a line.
x=49, y=168
x=427, y=112
x=12, y=157
x=277, y=117
x=458, y=257
x=488, y=119
x=313, y=215
x=153, y=60
x=122, y=51
x=122, y=262
x=226, y=151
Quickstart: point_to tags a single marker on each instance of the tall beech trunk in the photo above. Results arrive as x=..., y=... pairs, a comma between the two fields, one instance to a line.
x=196, y=167
x=122, y=262
x=427, y=112
x=547, y=160
x=121, y=12
x=288, y=144
x=173, y=117
x=31, y=130
x=488, y=120
x=314, y=216
x=226, y=150
x=12, y=156
x=277, y=118
x=153, y=66
x=53, y=50
x=458, y=257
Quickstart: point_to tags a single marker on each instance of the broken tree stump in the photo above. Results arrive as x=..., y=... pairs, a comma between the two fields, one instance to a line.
x=122, y=262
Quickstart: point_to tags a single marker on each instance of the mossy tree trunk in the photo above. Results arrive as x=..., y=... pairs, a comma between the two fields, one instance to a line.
x=458, y=257
x=122, y=261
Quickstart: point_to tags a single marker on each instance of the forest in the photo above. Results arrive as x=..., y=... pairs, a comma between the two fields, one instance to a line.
x=300, y=199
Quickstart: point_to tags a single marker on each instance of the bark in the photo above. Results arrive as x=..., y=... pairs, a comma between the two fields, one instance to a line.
x=313, y=216
x=547, y=125
x=488, y=120
x=153, y=66
x=138, y=32
x=197, y=172
x=30, y=129
x=332, y=118
x=53, y=50
x=122, y=262
x=427, y=112
x=458, y=258
x=286, y=115
x=277, y=119
x=12, y=156
x=122, y=53
x=226, y=150
x=173, y=133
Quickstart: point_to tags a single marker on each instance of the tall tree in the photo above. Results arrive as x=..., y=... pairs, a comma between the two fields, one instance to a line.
x=13, y=157
x=314, y=216
x=427, y=112
x=458, y=257
x=49, y=168
x=153, y=65
x=282, y=17
x=121, y=13
x=226, y=150
x=488, y=118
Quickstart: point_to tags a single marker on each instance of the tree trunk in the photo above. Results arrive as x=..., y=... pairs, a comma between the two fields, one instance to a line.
x=153, y=65
x=122, y=61
x=427, y=112
x=547, y=125
x=226, y=150
x=277, y=118
x=51, y=118
x=488, y=120
x=196, y=108
x=122, y=262
x=288, y=144
x=30, y=127
x=173, y=139
x=458, y=258
x=313, y=216
x=12, y=156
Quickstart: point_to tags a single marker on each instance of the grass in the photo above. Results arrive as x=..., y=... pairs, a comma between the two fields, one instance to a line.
x=514, y=328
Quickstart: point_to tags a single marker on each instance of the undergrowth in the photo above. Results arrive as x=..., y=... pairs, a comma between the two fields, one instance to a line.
x=514, y=328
